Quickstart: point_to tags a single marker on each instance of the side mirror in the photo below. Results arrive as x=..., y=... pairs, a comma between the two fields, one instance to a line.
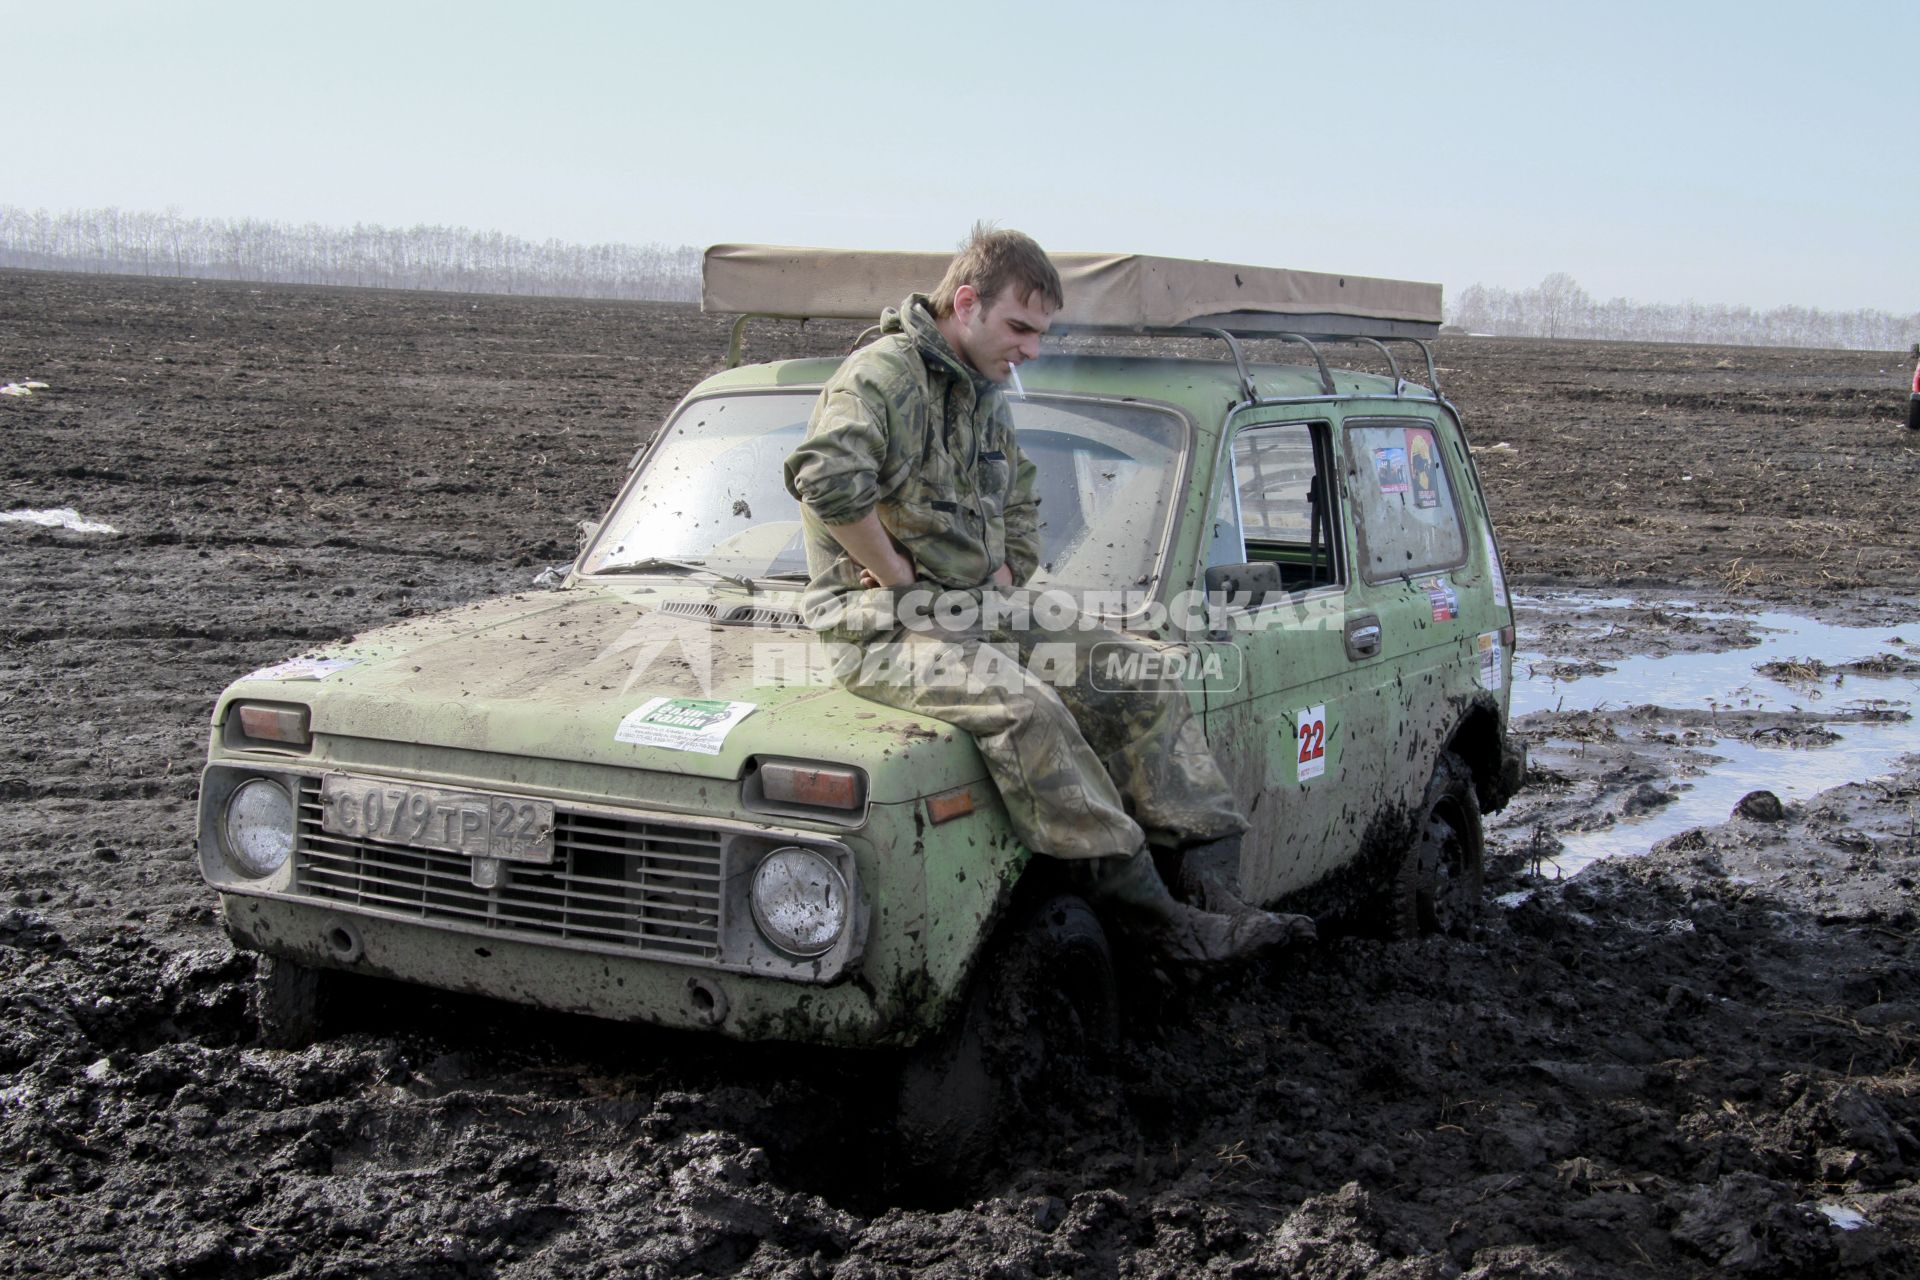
x=1243, y=586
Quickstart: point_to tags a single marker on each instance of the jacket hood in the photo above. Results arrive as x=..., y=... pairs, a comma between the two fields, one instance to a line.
x=914, y=320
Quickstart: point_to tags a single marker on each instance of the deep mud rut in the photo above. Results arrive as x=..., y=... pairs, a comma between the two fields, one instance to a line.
x=1700, y=1058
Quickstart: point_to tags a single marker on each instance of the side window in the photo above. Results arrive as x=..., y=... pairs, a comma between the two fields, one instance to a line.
x=1409, y=519
x=1278, y=507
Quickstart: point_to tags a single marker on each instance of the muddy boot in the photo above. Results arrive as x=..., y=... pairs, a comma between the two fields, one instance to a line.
x=1136, y=898
x=1209, y=876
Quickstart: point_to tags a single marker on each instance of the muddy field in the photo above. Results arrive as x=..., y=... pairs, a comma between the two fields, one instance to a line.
x=1700, y=1058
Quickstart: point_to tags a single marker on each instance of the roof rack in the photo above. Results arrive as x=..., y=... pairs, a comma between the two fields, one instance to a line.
x=1115, y=293
x=1311, y=342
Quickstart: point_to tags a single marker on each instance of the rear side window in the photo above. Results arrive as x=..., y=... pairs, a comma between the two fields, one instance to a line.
x=1278, y=505
x=1406, y=512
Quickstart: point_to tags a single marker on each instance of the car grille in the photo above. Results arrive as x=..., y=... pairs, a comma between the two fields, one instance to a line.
x=649, y=888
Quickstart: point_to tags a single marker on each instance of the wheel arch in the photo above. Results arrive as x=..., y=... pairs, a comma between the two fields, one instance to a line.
x=1480, y=739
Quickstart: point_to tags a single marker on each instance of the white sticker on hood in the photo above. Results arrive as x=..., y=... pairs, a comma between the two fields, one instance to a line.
x=682, y=724
x=302, y=669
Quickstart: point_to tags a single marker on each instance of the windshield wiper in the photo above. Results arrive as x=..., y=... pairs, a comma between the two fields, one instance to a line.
x=685, y=566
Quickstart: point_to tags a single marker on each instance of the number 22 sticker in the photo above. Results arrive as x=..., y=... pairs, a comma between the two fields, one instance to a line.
x=1312, y=737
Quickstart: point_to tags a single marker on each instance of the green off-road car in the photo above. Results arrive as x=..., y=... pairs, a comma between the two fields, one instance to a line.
x=640, y=797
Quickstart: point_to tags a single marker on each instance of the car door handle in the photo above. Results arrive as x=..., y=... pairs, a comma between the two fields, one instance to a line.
x=1363, y=637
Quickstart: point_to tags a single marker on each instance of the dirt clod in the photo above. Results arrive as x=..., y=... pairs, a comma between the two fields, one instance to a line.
x=1760, y=806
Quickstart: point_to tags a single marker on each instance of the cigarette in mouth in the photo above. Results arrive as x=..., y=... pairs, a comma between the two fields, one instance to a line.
x=1013, y=374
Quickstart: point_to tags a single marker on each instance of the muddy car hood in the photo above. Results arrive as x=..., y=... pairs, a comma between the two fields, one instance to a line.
x=554, y=674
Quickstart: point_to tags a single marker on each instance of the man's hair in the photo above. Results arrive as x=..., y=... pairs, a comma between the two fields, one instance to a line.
x=990, y=261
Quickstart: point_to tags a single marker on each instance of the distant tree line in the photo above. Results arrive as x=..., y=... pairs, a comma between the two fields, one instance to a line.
x=1558, y=307
x=451, y=258
x=462, y=260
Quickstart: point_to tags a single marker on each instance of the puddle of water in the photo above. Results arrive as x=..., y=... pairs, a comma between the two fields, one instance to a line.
x=1562, y=603
x=1703, y=681
x=1867, y=751
x=1725, y=681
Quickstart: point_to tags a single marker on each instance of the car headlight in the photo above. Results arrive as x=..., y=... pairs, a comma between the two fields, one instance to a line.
x=259, y=827
x=799, y=901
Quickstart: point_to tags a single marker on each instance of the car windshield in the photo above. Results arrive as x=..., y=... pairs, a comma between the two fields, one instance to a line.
x=712, y=495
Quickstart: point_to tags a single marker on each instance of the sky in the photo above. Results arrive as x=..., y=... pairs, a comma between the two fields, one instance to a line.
x=1752, y=153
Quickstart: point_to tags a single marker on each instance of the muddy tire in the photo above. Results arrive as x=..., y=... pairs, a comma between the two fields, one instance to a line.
x=1437, y=886
x=288, y=1003
x=1042, y=1007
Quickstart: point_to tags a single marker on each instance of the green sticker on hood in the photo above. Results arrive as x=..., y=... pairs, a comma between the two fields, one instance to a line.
x=682, y=724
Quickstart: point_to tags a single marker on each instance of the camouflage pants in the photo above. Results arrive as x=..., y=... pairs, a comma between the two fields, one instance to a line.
x=1093, y=756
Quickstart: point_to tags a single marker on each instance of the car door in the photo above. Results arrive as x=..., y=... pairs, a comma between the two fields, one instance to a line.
x=1412, y=571
x=1297, y=747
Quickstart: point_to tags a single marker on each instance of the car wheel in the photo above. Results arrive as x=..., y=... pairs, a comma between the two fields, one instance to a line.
x=288, y=1003
x=1042, y=1006
x=1436, y=887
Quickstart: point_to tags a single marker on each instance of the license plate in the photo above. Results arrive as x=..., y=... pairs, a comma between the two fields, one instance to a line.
x=482, y=826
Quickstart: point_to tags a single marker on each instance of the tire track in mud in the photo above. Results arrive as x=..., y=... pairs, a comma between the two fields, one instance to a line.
x=166, y=631
x=1812, y=402
x=1668, y=1067
x=249, y=541
x=1732, y=1080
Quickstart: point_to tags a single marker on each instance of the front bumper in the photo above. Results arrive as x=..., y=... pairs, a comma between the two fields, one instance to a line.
x=738, y=1005
x=641, y=915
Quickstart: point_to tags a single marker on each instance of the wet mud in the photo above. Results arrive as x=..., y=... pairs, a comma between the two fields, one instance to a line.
x=1695, y=1058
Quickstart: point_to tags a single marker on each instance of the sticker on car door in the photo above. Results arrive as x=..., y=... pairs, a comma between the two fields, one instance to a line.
x=1311, y=739
x=1492, y=673
x=1493, y=567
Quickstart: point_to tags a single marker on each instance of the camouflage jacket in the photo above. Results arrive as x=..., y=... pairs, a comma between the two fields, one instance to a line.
x=907, y=428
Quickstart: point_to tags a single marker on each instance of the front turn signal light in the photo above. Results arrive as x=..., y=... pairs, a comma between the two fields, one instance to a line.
x=268, y=724
x=835, y=793
x=949, y=805
x=817, y=786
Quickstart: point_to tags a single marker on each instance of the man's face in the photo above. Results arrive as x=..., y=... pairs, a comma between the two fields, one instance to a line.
x=1002, y=334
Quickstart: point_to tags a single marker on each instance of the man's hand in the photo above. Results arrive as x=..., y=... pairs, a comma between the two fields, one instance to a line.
x=869, y=579
x=881, y=560
x=1003, y=576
